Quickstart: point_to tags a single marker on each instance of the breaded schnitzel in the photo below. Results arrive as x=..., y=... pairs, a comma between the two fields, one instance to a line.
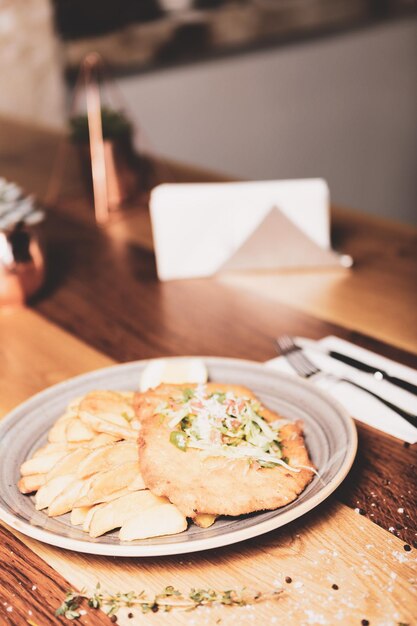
x=215, y=449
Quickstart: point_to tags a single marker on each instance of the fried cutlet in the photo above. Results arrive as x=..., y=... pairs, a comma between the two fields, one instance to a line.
x=174, y=418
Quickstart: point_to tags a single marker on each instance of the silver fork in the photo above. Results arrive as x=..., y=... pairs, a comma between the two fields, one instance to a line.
x=306, y=369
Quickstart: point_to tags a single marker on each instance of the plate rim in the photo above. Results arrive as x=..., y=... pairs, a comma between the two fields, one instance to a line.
x=228, y=538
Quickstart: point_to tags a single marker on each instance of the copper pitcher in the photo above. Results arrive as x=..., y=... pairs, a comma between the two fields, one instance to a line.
x=22, y=266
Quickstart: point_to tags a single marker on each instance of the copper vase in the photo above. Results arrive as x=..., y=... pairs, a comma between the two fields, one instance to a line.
x=22, y=265
x=122, y=177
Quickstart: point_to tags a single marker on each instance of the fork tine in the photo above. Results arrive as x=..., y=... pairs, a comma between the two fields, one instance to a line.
x=301, y=364
x=297, y=359
x=296, y=364
x=286, y=344
x=307, y=363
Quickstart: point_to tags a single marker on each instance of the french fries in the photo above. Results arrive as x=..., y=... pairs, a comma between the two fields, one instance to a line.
x=41, y=464
x=64, y=502
x=108, y=406
x=106, y=457
x=78, y=431
x=105, y=483
x=102, y=439
x=89, y=468
x=89, y=516
x=68, y=463
x=78, y=515
x=58, y=432
x=163, y=519
x=50, y=490
x=103, y=426
x=51, y=448
x=204, y=520
x=29, y=484
x=116, y=513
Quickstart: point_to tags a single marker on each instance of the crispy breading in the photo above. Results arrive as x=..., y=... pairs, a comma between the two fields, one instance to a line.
x=216, y=485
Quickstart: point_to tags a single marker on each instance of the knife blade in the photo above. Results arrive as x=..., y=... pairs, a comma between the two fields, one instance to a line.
x=377, y=372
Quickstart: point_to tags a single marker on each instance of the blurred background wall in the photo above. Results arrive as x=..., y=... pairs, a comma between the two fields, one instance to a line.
x=31, y=80
x=343, y=106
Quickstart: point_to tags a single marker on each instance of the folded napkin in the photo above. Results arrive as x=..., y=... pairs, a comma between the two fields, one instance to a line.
x=361, y=405
x=203, y=228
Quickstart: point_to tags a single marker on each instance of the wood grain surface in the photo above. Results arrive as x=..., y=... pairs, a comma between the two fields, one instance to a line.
x=333, y=545
x=371, y=570
x=102, y=303
x=31, y=590
x=378, y=298
x=137, y=317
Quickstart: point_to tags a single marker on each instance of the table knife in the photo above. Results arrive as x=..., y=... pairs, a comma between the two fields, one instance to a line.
x=377, y=372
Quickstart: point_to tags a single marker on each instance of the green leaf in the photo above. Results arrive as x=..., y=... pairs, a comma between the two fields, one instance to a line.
x=188, y=394
x=179, y=440
x=71, y=614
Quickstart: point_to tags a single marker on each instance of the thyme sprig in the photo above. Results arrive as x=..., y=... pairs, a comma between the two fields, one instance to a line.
x=169, y=599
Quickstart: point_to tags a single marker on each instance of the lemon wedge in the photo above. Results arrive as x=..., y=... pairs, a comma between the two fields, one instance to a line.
x=174, y=371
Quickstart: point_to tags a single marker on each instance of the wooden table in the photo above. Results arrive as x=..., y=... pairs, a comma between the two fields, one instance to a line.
x=102, y=303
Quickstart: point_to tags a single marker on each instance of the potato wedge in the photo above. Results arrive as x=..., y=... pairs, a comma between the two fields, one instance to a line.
x=116, y=513
x=50, y=448
x=108, y=482
x=29, y=484
x=127, y=395
x=106, y=457
x=89, y=516
x=109, y=406
x=102, y=426
x=58, y=432
x=68, y=464
x=41, y=464
x=64, y=502
x=79, y=514
x=101, y=439
x=50, y=490
x=137, y=484
x=204, y=520
x=163, y=519
x=78, y=431
x=116, y=494
x=72, y=408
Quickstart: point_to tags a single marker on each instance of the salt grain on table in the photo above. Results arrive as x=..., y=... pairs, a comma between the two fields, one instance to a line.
x=399, y=556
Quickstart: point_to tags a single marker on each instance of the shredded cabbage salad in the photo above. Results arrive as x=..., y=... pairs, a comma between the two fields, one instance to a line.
x=223, y=424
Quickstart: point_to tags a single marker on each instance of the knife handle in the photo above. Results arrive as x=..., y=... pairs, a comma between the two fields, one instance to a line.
x=404, y=384
x=370, y=369
x=409, y=417
x=363, y=367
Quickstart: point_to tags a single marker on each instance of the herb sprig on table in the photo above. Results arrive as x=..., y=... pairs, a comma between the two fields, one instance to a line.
x=170, y=599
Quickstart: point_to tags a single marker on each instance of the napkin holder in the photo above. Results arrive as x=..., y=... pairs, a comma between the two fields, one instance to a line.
x=200, y=229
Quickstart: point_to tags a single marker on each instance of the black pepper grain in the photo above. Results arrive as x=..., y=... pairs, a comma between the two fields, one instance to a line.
x=113, y=619
x=154, y=608
x=361, y=511
x=406, y=444
x=334, y=586
x=365, y=622
x=288, y=579
x=130, y=615
x=407, y=548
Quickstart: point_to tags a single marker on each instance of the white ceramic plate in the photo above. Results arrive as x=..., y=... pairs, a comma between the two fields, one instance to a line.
x=330, y=436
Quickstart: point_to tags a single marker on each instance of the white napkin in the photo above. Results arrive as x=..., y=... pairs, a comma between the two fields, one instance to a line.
x=199, y=227
x=361, y=405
